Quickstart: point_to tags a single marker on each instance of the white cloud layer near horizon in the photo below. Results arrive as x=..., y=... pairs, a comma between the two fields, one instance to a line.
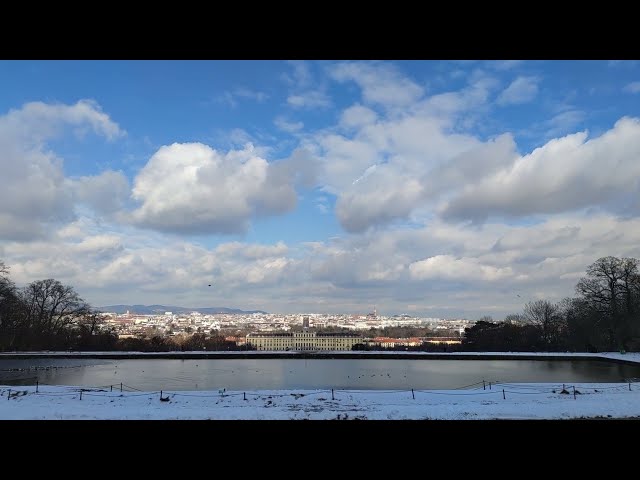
x=439, y=270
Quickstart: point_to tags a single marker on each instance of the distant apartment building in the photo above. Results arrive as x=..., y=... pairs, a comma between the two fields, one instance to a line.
x=303, y=341
x=387, y=342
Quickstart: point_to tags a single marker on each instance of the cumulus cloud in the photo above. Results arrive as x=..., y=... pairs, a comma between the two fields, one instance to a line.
x=373, y=200
x=33, y=188
x=521, y=90
x=566, y=173
x=380, y=84
x=192, y=188
x=384, y=167
x=416, y=163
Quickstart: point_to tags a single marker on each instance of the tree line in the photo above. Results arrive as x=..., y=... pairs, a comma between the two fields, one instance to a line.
x=47, y=315
x=603, y=316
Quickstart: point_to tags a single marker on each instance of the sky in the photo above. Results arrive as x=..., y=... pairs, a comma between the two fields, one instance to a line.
x=451, y=189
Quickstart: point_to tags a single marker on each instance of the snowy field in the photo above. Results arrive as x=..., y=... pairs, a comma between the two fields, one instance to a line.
x=502, y=401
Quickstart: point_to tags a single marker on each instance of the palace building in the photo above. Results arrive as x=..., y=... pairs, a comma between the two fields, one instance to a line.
x=303, y=341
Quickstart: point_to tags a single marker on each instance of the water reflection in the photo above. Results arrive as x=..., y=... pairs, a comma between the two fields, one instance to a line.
x=185, y=374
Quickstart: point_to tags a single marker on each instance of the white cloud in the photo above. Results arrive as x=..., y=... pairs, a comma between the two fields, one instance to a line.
x=104, y=193
x=193, y=188
x=33, y=188
x=251, y=94
x=564, y=121
x=378, y=198
x=39, y=121
x=309, y=99
x=357, y=116
x=521, y=90
x=633, y=87
x=301, y=76
x=383, y=167
x=381, y=84
x=445, y=269
x=449, y=267
x=286, y=126
x=252, y=251
x=232, y=97
x=566, y=173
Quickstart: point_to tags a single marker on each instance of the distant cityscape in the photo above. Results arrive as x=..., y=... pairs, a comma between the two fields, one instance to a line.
x=242, y=327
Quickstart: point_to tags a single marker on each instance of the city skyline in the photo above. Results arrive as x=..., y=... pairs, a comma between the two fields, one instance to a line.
x=443, y=189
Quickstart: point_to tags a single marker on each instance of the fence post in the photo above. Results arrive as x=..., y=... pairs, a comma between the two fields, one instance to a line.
x=80, y=394
x=244, y=394
x=574, y=392
x=332, y=397
x=629, y=386
x=9, y=396
x=160, y=394
x=37, y=386
x=489, y=385
x=484, y=387
x=120, y=387
x=504, y=397
x=111, y=388
x=413, y=394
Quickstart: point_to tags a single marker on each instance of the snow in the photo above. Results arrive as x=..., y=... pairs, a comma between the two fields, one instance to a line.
x=502, y=401
x=523, y=401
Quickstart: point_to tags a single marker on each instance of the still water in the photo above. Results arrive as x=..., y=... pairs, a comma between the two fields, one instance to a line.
x=242, y=374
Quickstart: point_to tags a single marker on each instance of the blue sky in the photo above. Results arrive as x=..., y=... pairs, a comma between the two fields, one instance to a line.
x=435, y=188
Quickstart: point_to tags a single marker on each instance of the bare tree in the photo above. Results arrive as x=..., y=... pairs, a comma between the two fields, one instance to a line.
x=630, y=283
x=546, y=316
x=90, y=322
x=9, y=309
x=611, y=288
x=601, y=287
x=514, y=318
x=50, y=307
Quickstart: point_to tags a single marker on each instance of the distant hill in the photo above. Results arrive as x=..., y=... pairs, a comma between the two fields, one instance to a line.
x=160, y=309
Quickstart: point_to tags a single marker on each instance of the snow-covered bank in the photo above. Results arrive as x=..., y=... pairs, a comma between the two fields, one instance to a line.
x=503, y=401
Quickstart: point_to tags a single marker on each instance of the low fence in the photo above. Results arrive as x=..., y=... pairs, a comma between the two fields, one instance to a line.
x=481, y=389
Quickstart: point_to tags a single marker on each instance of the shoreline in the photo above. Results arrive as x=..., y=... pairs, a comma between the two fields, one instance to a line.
x=632, y=358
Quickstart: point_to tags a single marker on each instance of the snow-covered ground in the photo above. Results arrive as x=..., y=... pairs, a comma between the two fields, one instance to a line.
x=503, y=401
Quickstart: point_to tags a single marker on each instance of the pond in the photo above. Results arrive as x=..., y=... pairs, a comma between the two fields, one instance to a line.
x=258, y=374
